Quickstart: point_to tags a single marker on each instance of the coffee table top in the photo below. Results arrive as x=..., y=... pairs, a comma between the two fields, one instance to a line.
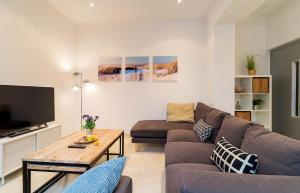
x=60, y=153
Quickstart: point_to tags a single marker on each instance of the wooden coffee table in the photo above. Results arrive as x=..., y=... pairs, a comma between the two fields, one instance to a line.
x=63, y=160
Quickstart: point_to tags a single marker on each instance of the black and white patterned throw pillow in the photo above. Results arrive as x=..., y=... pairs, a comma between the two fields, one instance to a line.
x=230, y=159
x=203, y=130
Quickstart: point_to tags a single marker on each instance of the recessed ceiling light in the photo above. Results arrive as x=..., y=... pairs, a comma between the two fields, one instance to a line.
x=92, y=4
x=179, y=1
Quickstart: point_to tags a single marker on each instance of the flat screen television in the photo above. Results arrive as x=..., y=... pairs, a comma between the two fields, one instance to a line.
x=25, y=106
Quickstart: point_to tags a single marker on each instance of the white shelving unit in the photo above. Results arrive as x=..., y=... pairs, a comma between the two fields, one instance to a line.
x=264, y=114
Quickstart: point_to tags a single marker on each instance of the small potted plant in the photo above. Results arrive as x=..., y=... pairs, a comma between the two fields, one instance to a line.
x=251, y=64
x=257, y=103
x=90, y=123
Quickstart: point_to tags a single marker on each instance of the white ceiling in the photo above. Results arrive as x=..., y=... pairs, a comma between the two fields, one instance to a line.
x=108, y=11
x=269, y=7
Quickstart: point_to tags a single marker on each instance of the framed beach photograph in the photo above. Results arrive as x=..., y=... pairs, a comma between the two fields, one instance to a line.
x=137, y=68
x=110, y=69
x=165, y=68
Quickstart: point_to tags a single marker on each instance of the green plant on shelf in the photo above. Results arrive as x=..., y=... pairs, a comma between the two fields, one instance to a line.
x=251, y=62
x=257, y=103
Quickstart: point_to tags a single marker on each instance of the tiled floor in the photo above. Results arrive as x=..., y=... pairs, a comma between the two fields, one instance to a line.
x=145, y=167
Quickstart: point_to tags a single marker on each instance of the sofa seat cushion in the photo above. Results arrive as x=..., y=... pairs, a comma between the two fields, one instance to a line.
x=194, y=181
x=156, y=128
x=153, y=140
x=173, y=177
x=233, y=129
x=201, y=111
x=277, y=154
x=183, y=135
x=188, y=152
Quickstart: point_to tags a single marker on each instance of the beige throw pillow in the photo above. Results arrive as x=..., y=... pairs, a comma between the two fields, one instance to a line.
x=180, y=112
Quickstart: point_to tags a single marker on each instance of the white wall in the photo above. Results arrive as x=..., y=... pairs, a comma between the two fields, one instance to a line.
x=37, y=48
x=283, y=25
x=260, y=33
x=251, y=38
x=224, y=60
x=43, y=41
x=221, y=58
x=124, y=103
x=211, y=22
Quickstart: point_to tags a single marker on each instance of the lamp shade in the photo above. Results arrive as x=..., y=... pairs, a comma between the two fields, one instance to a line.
x=75, y=88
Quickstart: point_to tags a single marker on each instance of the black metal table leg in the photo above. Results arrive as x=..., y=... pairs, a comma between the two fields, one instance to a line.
x=120, y=146
x=26, y=179
x=50, y=182
x=122, y=139
x=107, y=155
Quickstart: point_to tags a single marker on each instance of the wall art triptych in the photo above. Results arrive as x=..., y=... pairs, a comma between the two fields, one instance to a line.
x=164, y=68
x=110, y=69
x=137, y=68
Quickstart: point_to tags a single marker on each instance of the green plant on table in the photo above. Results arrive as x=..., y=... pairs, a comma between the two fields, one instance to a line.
x=90, y=121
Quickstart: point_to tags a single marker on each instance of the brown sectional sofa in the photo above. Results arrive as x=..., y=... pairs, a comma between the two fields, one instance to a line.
x=190, y=170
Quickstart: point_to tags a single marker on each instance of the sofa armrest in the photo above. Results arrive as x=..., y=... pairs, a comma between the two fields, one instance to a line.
x=216, y=182
x=125, y=185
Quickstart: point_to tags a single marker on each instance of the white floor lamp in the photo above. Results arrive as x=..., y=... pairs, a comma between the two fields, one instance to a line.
x=78, y=86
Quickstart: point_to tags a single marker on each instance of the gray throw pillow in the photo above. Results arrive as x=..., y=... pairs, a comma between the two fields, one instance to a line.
x=203, y=130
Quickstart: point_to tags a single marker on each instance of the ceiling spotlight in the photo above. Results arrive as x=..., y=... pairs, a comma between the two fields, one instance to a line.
x=179, y=1
x=92, y=5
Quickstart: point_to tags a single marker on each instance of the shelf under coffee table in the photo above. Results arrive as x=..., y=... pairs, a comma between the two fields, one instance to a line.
x=63, y=160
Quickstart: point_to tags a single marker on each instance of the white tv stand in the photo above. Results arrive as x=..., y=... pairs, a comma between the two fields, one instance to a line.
x=13, y=150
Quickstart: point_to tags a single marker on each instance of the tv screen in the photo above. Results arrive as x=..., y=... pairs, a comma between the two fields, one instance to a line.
x=25, y=106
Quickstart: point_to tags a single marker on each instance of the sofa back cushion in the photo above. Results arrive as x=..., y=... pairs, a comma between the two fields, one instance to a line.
x=233, y=129
x=201, y=111
x=277, y=154
x=215, y=118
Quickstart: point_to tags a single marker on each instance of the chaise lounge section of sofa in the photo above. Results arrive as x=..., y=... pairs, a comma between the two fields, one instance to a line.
x=156, y=131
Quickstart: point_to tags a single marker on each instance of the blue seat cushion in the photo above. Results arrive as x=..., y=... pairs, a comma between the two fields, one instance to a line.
x=100, y=179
